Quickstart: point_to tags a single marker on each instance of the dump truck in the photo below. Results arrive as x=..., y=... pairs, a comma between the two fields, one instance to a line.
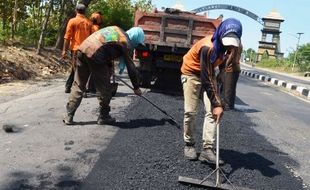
x=169, y=34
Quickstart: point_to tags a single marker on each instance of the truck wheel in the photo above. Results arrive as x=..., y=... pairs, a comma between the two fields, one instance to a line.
x=146, y=78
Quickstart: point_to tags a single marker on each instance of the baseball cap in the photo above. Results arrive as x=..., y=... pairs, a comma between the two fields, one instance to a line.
x=231, y=39
x=80, y=7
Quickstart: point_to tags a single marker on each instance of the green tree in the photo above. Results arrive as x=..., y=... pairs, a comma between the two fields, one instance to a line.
x=303, y=57
x=250, y=55
x=11, y=13
x=44, y=27
x=144, y=5
x=23, y=21
x=120, y=12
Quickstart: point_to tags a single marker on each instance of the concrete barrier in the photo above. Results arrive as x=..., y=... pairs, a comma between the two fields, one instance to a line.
x=304, y=92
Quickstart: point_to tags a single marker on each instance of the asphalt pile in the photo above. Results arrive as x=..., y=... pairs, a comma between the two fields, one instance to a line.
x=147, y=152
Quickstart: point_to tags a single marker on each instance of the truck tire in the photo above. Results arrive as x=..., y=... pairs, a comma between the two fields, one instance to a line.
x=146, y=78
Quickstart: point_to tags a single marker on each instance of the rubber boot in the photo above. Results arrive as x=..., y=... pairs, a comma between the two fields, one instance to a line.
x=104, y=116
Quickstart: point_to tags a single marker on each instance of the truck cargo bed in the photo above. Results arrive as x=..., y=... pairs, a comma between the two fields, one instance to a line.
x=169, y=35
x=180, y=29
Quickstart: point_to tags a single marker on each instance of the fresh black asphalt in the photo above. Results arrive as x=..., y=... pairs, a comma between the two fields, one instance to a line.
x=147, y=152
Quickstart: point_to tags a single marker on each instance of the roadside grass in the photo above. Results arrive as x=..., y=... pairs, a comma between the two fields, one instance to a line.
x=282, y=66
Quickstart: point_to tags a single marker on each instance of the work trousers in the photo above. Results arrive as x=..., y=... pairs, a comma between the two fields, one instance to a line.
x=101, y=73
x=90, y=85
x=229, y=88
x=192, y=94
x=73, y=65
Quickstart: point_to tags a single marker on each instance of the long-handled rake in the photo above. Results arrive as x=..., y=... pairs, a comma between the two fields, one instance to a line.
x=171, y=119
x=217, y=171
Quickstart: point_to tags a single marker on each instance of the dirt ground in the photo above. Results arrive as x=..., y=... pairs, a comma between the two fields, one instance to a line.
x=23, y=72
x=21, y=63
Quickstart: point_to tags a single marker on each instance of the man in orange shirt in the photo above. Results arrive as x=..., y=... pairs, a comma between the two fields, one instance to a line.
x=198, y=76
x=78, y=29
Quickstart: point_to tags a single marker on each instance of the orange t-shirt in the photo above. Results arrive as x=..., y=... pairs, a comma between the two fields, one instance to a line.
x=191, y=60
x=78, y=29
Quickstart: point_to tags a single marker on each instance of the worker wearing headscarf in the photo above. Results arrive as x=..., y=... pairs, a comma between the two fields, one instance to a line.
x=95, y=55
x=198, y=77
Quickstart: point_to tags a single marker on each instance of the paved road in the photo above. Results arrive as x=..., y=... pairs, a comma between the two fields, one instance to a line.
x=42, y=153
x=283, y=119
x=264, y=144
x=300, y=81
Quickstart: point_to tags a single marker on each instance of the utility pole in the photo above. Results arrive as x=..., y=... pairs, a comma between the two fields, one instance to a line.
x=299, y=34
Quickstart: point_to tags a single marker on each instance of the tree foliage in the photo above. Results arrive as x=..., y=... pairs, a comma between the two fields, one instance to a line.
x=31, y=14
x=119, y=12
x=249, y=55
x=302, y=57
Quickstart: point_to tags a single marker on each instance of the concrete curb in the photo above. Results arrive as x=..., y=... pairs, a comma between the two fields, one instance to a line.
x=302, y=91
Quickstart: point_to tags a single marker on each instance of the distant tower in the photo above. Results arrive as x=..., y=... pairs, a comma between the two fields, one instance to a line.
x=270, y=43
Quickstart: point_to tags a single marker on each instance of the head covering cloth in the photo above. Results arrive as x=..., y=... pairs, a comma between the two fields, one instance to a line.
x=230, y=25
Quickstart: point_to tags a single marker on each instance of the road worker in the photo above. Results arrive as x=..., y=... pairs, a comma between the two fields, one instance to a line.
x=95, y=55
x=78, y=29
x=198, y=79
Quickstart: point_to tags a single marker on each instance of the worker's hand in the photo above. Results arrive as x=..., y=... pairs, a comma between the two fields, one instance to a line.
x=63, y=55
x=138, y=92
x=217, y=113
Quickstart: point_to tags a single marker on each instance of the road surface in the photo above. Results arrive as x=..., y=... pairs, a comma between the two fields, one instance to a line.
x=264, y=143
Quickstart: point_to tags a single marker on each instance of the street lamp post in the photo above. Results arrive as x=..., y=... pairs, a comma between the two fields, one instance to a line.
x=299, y=34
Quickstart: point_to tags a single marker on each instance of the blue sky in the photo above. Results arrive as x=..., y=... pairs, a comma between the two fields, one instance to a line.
x=295, y=12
